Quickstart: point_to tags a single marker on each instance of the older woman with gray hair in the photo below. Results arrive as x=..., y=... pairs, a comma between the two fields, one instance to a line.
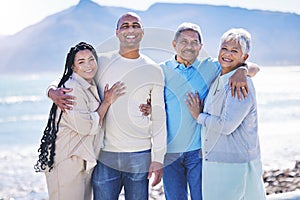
x=232, y=168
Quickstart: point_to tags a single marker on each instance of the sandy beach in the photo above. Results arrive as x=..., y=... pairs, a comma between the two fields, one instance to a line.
x=20, y=182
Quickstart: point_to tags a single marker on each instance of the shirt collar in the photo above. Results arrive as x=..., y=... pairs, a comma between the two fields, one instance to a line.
x=176, y=64
x=225, y=78
x=82, y=81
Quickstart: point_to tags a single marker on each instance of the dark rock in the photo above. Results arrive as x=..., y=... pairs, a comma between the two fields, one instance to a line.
x=281, y=181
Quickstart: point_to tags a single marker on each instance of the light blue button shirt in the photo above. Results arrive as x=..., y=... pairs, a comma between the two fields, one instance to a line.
x=183, y=130
x=229, y=125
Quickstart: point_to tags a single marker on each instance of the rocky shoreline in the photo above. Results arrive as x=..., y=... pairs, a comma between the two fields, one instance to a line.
x=282, y=181
x=19, y=181
x=276, y=181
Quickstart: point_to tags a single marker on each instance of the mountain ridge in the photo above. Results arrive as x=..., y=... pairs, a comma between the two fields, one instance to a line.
x=44, y=45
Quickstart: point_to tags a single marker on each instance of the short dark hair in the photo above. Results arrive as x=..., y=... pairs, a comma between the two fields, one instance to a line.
x=133, y=14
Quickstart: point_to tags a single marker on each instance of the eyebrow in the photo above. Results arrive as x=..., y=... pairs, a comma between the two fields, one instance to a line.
x=125, y=23
x=80, y=59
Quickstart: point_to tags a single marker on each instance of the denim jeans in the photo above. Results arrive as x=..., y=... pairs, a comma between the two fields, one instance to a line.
x=180, y=170
x=115, y=170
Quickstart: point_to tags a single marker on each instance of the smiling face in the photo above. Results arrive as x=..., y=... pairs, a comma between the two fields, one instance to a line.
x=129, y=31
x=231, y=56
x=187, y=47
x=85, y=65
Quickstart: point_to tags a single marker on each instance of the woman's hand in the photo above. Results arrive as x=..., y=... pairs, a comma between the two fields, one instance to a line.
x=111, y=94
x=195, y=104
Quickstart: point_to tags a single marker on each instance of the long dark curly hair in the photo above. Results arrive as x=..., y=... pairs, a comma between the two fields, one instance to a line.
x=47, y=146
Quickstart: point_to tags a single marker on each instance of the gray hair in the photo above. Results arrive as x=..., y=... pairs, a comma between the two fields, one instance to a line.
x=239, y=35
x=187, y=26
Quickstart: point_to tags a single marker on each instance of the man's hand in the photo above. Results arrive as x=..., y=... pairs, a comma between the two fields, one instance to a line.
x=61, y=99
x=238, y=83
x=157, y=169
x=146, y=108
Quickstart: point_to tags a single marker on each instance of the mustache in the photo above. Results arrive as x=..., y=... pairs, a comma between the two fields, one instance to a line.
x=189, y=50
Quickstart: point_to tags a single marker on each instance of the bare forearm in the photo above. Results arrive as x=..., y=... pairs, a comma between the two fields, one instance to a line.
x=102, y=110
x=253, y=69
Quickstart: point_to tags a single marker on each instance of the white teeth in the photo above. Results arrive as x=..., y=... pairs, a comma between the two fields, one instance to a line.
x=130, y=36
x=227, y=60
x=88, y=71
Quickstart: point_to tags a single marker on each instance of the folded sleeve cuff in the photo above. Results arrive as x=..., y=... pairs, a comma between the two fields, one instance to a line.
x=201, y=118
x=158, y=156
x=95, y=126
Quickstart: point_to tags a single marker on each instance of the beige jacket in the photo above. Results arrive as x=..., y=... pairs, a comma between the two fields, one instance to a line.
x=79, y=131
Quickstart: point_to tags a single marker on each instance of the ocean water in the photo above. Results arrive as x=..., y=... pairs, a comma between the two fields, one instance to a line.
x=24, y=109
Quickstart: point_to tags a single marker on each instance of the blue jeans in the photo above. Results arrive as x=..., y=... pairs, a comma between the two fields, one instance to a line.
x=180, y=170
x=115, y=170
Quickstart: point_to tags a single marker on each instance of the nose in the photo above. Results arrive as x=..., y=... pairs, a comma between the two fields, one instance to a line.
x=87, y=65
x=131, y=28
x=227, y=53
x=189, y=45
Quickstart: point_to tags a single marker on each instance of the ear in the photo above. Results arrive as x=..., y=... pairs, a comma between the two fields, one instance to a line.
x=117, y=32
x=201, y=45
x=174, y=44
x=245, y=57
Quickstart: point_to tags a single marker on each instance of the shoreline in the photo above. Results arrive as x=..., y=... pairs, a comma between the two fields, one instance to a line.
x=20, y=181
x=282, y=181
x=295, y=195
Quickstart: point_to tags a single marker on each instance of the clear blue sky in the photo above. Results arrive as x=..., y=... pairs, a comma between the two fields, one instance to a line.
x=18, y=14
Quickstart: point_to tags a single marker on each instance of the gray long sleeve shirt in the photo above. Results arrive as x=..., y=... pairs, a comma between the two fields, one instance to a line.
x=229, y=125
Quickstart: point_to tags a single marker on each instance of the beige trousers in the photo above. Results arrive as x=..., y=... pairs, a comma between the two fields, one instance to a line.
x=69, y=180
